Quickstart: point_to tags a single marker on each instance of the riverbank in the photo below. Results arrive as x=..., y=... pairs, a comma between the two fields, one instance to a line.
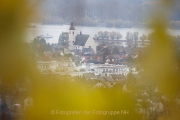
x=104, y=25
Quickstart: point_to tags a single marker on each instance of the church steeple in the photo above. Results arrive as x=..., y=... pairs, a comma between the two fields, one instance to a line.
x=72, y=36
x=72, y=27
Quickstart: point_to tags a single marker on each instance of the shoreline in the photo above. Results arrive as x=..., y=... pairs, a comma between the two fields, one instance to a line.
x=100, y=25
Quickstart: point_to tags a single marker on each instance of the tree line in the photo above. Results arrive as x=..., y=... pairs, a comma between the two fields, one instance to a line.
x=114, y=13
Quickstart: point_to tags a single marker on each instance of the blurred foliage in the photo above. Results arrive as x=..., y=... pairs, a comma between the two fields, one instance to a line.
x=59, y=93
x=15, y=61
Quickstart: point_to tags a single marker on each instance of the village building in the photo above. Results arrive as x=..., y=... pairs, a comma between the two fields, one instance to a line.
x=120, y=79
x=81, y=42
x=106, y=69
x=63, y=64
x=99, y=84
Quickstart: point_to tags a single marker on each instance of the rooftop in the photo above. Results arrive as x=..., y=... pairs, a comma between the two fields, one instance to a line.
x=81, y=39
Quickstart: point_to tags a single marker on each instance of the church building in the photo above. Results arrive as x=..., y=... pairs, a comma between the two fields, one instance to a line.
x=81, y=42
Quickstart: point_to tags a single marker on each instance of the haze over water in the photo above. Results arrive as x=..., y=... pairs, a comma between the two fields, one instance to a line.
x=56, y=30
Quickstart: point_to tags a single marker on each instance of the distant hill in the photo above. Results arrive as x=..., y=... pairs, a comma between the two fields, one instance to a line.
x=93, y=12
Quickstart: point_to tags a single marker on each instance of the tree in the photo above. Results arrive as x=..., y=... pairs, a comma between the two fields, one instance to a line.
x=42, y=41
x=34, y=45
x=151, y=37
x=130, y=59
x=131, y=80
x=54, y=55
x=118, y=35
x=109, y=24
x=115, y=50
x=48, y=47
x=112, y=35
x=63, y=38
x=142, y=38
x=101, y=34
x=41, y=49
x=119, y=24
x=129, y=37
x=135, y=36
x=96, y=36
x=68, y=55
x=106, y=34
x=124, y=52
x=178, y=40
x=106, y=51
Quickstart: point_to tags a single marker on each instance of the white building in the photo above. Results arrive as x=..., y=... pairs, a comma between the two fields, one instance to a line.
x=80, y=41
x=61, y=65
x=72, y=36
x=106, y=69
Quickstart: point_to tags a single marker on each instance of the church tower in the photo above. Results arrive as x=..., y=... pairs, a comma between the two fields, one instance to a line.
x=72, y=36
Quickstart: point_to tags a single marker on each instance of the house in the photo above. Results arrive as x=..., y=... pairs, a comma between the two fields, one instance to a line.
x=48, y=65
x=61, y=64
x=89, y=75
x=47, y=53
x=28, y=103
x=80, y=42
x=101, y=79
x=120, y=79
x=125, y=88
x=113, y=59
x=109, y=81
x=108, y=69
x=159, y=107
x=139, y=108
x=87, y=50
x=99, y=84
x=96, y=59
x=65, y=64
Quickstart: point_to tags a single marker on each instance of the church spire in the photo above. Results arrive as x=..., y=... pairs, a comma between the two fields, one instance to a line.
x=72, y=26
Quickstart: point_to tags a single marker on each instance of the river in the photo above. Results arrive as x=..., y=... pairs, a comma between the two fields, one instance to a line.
x=56, y=30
